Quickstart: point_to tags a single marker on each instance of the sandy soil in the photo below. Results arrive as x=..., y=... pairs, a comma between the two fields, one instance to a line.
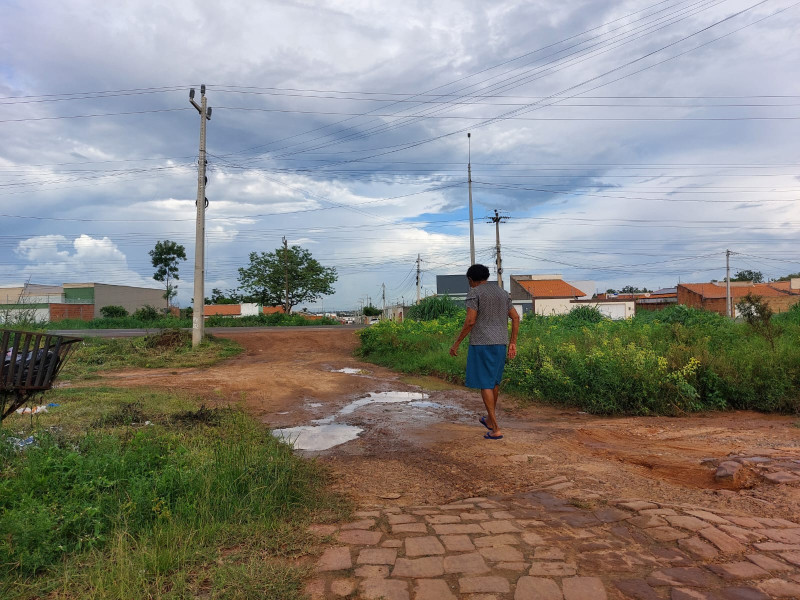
x=408, y=455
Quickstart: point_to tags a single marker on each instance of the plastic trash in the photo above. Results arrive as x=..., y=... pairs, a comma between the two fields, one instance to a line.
x=52, y=405
x=27, y=410
x=21, y=444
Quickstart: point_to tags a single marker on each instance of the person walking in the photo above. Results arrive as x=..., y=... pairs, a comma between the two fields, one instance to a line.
x=488, y=310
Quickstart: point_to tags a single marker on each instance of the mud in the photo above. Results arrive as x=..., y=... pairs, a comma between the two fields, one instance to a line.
x=432, y=450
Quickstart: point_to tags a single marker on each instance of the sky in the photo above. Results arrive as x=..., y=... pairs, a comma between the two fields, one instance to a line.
x=627, y=142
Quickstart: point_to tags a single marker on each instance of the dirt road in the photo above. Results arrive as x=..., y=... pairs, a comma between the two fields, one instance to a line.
x=411, y=449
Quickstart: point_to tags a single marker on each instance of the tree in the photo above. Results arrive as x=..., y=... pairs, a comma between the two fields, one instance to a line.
x=758, y=315
x=218, y=297
x=266, y=278
x=748, y=275
x=371, y=311
x=789, y=277
x=165, y=257
x=629, y=289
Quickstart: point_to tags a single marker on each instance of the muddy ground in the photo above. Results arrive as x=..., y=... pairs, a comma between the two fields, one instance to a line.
x=434, y=451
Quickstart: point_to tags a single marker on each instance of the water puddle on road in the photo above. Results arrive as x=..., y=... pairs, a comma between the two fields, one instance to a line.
x=349, y=371
x=326, y=433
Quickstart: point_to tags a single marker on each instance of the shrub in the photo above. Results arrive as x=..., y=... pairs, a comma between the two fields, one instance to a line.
x=433, y=307
x=147, y=313
x=113, y=311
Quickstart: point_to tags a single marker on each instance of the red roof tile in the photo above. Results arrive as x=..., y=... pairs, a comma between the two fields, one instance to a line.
x=550, y=288
x=713, y=290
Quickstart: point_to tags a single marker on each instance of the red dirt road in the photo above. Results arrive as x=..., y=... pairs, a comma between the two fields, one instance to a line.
x=435, y=454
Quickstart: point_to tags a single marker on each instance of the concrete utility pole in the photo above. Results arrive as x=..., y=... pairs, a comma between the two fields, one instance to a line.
x=383, y=299
x=728, y=283
x=496, y=219
x=471, y=226
x=198, y=317
x=417, y=278
x=286, y=272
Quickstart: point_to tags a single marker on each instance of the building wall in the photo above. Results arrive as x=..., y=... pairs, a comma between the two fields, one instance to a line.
x=31, y=293
x=552, y=306
x=778, y=304
x=129, y=297
x=60, y=311
x=39, y=313
x=250, y=309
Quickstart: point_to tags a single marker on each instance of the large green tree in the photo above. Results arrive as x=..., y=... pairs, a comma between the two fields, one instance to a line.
x=748, y=275
x=165, y=258
x=789, y=277
x=265, y=279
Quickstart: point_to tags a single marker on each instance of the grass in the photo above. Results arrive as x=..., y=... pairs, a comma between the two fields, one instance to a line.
x=273, y=320
x=674, y=361
x=200, y=503
x=169, y=349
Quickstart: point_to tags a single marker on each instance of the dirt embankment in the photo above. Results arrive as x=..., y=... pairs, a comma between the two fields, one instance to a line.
x=433, y=451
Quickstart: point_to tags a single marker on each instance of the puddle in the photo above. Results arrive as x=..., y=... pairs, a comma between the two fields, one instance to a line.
x=349, y=371
x=426, y=404
x=318, y=437
x=382, y=398
x=314, y=404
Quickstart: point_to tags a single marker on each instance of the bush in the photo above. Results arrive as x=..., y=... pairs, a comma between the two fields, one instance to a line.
x=433, y=307
x=147, y=313
x=113, y=312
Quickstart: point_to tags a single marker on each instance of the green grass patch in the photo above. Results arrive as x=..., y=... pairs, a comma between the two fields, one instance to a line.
x=198, y=503
x=273, y=320
x=670, y=362
x=167, y=349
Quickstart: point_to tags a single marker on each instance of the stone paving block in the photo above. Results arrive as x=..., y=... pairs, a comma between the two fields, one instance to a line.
x=456, y=528
x=474, y=516
x=489, y=505
x=725, y=543
x=372, y=571
x=776, y=547
x=748, y=522
x=433, y=589
x=636, y=588
x=792, y=557
x=501, y=554
x=530, y=523
x=537, y=588
x=684, y=522
x=708, y=516
x=491, y=584
x=423, y=546
x=780, y=588
x=746, y=536
x=430, y=566
x=343, y=587
x=673, y=556
x=410, y=528
x=666, y=534
x=502, y=514
x=476, y=499
x=785, y=536
x=739, y=570
x=742, y=593
x=360, y=537
x=647, y=521
x=554, y=481
x=471, y=564
x=583, y=588
x=391, y=543
x=365, y=514
x=611, y=515
x=552, y=569
x=532, y=539
x=384, y=589
x=461, y=507
x=682, y=576
x=425, y=511
x=315, y=589
x=690, y=594
x=769, y=564
x=398, y=519
x=392, y=510
x=323, y=530
x=580, y=519
x=782, y=477
x=377, y=556
x=516, y=567
x=658, y=511
x=637, y=505
x=362, y=524
x=439, y=519
x=499, y=527
x=335, y=559
x=457, y=543
x=548, y=553
x=503, y=539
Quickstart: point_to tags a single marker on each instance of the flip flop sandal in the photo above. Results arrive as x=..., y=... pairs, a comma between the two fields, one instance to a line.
x=489, y=436
x=483, y=422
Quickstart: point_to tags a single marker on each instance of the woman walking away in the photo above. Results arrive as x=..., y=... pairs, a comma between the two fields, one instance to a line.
x=488, y=310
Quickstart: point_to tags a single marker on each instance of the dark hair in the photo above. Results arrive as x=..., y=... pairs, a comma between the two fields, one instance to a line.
x=478, y=273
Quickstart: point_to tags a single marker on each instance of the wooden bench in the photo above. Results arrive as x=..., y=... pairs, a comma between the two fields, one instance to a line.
x=29, y=364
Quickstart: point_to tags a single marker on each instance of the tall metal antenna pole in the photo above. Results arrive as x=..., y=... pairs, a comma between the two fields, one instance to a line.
x=198, y=320
x=496, y=219
x=469, y=181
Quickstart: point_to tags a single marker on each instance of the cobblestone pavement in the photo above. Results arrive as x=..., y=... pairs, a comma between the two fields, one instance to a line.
x=537, y=546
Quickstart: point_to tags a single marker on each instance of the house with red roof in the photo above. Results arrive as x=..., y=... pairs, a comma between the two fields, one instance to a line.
x=543, y=294
x=779, y=295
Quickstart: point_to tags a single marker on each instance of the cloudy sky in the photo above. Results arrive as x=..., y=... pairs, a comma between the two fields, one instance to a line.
x=629, y=142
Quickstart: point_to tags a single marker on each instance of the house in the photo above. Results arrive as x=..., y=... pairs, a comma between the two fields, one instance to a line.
x=658, y=300
x=455, y=286
x=779, y=295
x=73, y=300
x=231, y=310
x=611, y=308
x=543, y=294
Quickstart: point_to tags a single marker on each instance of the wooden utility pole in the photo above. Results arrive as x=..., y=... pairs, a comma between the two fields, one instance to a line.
x=471, y=226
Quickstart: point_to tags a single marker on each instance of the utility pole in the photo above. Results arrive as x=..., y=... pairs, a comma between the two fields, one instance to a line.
x=198, y=317
x=471, y=226
x=728, y=283
x=496, y=219
x=418, y=277
x=383, y=299
x=286, y=272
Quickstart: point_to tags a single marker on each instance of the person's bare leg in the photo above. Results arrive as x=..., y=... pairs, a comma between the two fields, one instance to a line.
x=489, y=396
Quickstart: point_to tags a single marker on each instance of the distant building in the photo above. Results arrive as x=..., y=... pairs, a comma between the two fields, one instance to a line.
x=779, y=295
x=543, y=294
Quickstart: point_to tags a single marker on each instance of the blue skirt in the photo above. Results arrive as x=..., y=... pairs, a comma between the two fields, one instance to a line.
x=485, y=366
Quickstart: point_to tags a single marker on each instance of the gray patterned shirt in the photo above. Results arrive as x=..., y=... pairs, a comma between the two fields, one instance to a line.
x=492, y=305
